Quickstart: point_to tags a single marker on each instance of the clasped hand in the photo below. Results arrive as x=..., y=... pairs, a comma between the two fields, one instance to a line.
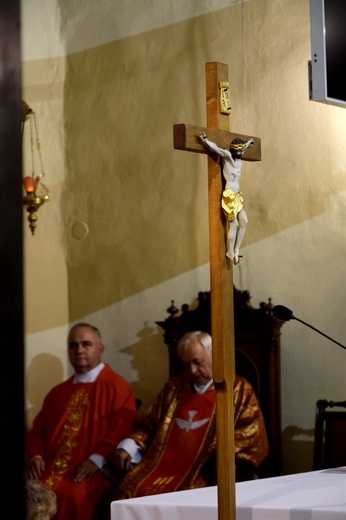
x=122, y=459
x=85, y=470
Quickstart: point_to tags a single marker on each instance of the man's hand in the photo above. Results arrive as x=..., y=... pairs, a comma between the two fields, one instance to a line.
x=202, y=136
x=85, y=471
x=122, y=459
x=36, y=467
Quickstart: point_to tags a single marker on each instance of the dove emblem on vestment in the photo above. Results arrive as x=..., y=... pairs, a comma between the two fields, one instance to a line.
x=190, y=424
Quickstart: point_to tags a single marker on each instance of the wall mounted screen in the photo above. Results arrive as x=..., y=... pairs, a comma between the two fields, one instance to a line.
x=328, y=51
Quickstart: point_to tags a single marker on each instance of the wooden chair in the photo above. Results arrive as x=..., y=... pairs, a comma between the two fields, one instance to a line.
x=330, y=435
x=257, y=356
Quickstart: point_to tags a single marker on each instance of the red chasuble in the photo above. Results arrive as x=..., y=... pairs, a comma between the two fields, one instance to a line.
x=177, y=434
x=77, y=420
x=183, y=443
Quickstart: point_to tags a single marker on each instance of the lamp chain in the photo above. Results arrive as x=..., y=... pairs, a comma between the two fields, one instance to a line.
x=38, y=145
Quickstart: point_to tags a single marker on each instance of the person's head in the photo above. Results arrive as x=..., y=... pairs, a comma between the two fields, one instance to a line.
x=85, y=347
x=237, y=147
x=40, y=502
x=195, y=352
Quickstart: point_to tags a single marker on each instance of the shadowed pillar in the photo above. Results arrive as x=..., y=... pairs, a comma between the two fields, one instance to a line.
x=11, y=261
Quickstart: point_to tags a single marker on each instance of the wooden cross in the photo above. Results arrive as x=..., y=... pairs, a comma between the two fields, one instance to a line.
x=221, y=277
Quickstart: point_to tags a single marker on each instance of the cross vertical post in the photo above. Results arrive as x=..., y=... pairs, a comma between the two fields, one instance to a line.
x=221, y=278
x=222, y=321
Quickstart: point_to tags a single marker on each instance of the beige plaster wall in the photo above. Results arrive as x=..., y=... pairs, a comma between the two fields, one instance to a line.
x=126, y=230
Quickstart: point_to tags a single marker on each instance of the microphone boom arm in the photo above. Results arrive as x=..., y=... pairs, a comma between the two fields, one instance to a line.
x=314, y=328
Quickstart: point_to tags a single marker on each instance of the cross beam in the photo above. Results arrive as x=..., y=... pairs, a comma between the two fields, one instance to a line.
x=185, y=138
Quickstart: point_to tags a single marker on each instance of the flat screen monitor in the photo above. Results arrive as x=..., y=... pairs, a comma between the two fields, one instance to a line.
x=328, y=51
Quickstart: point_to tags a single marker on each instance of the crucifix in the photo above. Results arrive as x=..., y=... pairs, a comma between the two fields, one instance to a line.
x=221, y=273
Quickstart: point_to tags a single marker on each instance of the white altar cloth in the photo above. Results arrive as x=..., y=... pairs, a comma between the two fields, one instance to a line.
x=316, y=495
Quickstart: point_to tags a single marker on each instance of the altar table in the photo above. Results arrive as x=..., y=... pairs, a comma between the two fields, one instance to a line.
x=315, y=495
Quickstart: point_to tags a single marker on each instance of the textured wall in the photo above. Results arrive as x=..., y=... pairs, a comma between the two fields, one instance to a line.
x=126, y=229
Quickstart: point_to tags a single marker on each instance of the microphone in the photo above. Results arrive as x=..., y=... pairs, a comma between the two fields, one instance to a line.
x=283, y=313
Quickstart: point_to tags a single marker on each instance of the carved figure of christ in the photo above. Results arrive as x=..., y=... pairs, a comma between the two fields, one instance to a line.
x=221, y=277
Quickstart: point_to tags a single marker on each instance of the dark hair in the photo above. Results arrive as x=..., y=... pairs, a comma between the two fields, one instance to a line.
x=238, y=140
x=87, y=325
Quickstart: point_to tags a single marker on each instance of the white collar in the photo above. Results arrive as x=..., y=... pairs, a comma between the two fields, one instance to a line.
x=89, y=377
x=200, y=389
